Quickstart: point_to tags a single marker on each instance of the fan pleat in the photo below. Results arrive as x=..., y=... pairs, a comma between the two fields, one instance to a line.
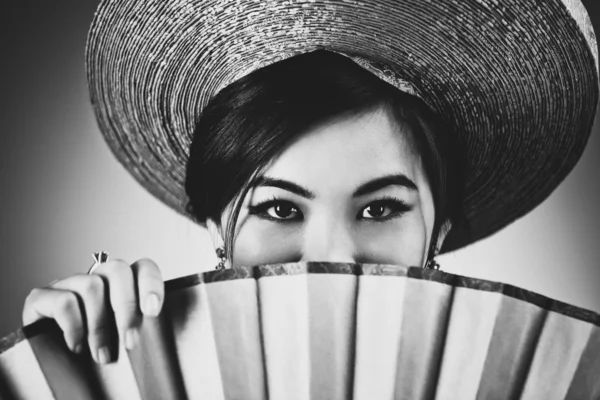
x=21, y=374
x=154, y=362
x=286, y=331
x=332, y=322
x=235, y=318
x=56, y=362
x=516, y=330
x=559, y=349
x=117, y=379
x=195, y=343
x=470, y=328
x=422, y=339
x=586, y=382
x=379, y=315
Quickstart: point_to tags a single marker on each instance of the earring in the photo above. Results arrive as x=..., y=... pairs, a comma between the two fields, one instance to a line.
x=221, y=254
x=432, y=264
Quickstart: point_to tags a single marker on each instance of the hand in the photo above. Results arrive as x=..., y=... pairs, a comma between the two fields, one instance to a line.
x=100, y=307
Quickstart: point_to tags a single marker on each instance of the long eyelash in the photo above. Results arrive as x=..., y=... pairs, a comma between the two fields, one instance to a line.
x=262, y=206
x=399, y=207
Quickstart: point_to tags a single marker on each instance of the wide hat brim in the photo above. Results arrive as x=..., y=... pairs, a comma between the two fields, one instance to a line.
x=516, y=80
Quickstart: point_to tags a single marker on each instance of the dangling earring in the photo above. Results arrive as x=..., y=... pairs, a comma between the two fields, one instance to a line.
x=436, y=245
x=221, y=254
x=432, y=264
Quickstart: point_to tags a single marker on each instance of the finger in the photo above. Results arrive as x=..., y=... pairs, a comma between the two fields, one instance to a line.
x=151, y=288
x=123, y=298
x=99, y=324
x=61, y=305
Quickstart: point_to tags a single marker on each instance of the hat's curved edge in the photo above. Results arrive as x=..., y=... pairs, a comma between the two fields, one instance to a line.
x=581, y=16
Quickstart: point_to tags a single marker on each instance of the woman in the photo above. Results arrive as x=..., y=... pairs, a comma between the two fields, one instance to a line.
x=331, y=155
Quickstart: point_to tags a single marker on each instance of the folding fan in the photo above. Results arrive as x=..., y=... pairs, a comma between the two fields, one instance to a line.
x=326, y=331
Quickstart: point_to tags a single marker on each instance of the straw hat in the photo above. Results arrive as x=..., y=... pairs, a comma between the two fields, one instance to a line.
x=517, y=80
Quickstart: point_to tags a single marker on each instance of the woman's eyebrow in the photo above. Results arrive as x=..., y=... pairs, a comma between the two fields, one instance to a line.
x=381, y=182
x=283, y=184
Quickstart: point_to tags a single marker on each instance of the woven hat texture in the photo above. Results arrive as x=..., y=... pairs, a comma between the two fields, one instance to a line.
x=517, y=80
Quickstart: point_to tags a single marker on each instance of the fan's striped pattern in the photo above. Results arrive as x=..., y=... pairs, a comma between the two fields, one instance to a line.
x=327, y=331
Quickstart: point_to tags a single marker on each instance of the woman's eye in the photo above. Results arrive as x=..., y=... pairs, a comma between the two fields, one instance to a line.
x=384, y=209
x=276, y=210
x=283, y=210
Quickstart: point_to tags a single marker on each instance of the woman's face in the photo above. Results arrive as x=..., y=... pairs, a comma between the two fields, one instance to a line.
x=351, y=190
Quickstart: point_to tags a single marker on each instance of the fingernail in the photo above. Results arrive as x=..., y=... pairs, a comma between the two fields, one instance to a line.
x=131, y=338
x=152, y=305
x=103, y=355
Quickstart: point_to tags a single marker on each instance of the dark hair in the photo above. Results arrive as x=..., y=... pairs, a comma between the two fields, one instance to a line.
x=253, y=119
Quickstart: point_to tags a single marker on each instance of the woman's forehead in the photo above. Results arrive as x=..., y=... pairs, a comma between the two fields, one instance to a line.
x=347, y=151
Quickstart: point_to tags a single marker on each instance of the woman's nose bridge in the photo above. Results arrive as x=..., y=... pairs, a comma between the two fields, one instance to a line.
x=329, y=239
